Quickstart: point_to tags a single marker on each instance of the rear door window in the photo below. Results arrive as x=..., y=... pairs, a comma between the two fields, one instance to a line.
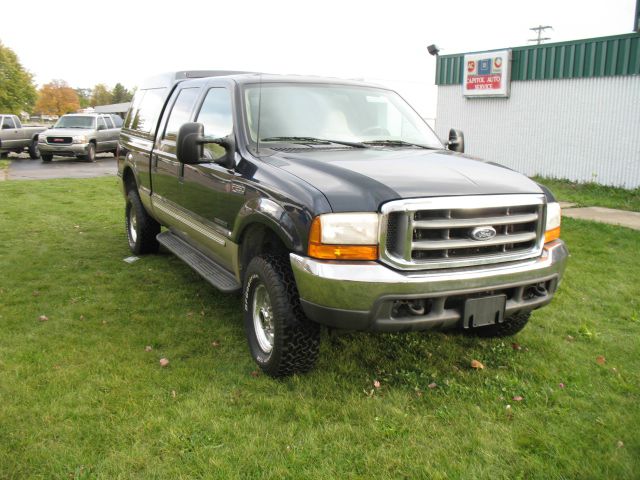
x=143, y=116
x=101, y=123
x=109, y=122
x=181, y=111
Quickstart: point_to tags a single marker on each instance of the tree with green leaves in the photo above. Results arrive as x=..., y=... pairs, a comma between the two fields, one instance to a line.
x=120, y=94
x=17, y=91
x=84, y=95
x=100, y=95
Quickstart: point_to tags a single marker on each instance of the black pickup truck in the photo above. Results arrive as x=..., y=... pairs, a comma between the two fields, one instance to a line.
x=330, y=202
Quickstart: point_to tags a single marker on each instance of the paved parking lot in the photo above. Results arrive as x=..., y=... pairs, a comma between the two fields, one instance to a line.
x=23, y=168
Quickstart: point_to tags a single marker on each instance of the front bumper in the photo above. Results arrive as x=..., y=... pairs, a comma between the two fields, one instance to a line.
x=67, y=149
x=367, y=295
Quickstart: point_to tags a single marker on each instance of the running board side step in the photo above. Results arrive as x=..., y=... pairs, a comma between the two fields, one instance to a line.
x=203, y=265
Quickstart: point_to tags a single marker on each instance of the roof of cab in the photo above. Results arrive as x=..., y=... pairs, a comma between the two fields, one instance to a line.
x=169, y=79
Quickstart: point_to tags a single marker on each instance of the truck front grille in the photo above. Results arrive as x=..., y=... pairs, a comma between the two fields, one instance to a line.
x=448, y=232
x=59, y=140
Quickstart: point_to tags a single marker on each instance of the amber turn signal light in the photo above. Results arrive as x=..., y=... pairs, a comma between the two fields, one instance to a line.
x=551, y=235
x=324, y=251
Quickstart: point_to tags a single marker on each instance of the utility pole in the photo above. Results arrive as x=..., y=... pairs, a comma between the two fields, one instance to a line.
x=540, y=29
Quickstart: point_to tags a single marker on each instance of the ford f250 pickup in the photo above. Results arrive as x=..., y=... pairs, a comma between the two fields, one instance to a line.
x=330, y=202
x=15, y=138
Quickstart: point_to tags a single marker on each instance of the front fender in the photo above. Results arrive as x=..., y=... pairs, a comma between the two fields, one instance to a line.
x=272, y=215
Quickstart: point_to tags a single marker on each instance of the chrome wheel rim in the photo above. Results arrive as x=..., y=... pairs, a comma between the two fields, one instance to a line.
x=133, y=224
x=263, y=318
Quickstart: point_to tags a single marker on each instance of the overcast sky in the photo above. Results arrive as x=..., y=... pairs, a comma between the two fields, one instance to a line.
x=113, y=41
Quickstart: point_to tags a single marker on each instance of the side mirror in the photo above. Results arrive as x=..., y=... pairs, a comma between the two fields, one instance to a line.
x=456, y=141
x=190, y=141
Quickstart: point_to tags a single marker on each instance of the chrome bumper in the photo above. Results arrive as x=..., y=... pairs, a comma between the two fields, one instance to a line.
x=361, y=295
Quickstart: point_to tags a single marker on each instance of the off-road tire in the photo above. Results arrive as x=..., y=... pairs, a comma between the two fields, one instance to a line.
x=146, y=227
x=510, y=326
x=296, y=339
x=34, y=151
x=91, y=153
x=46, y=158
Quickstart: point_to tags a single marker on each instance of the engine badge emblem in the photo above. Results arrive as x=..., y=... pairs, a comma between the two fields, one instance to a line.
x=483, y=233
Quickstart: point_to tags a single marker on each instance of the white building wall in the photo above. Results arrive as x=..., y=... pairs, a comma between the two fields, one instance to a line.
x=585, y=129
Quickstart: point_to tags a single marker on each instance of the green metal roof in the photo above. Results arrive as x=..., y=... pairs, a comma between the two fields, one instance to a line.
x=591, y=57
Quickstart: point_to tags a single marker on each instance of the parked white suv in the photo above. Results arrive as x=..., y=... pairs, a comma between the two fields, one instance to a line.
x=79, y=135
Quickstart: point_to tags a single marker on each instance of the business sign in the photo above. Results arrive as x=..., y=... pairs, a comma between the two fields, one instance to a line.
x=487, y=74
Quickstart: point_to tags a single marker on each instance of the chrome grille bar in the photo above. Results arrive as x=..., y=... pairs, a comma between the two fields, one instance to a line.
x=474, y=222
x=450, y=244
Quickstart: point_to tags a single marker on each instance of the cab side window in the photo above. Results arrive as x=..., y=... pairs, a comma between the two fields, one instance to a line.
x=217, y=117
x=181, y=112
x=7, y=123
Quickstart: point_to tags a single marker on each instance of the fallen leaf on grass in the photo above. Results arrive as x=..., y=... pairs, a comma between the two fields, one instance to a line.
x=255, y=373
x=518, y=398
x=215, y=343
x=35, y=293
x=43, y=318
x=477, y=365
x=432, y=385
x=81, y=317
x=561, y=385
x=600, y=360
x=620, y=444
x=516, y=346
x=148, y=348
x=173, y=393
x=376, y=384
x=164, y=362
x=569, y=338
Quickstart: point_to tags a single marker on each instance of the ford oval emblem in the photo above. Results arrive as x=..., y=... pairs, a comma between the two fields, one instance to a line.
x=483, y=233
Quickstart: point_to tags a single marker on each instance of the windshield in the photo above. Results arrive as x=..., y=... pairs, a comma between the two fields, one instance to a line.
x=336, y=113
x=75, y=121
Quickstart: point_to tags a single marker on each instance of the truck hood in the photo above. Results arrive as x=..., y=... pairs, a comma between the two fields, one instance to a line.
x=67, y=132
x=361, y=180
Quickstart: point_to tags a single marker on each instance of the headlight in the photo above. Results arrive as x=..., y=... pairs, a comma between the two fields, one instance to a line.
x=80, y=139
x=552, y=228
x=344, y=236
x=42, y=138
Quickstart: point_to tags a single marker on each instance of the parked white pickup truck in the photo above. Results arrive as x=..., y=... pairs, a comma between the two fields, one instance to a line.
x=15, y=138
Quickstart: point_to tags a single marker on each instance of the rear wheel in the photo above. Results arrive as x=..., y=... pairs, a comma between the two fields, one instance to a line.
x=510, y=326
x=141, y=227
x=281, y=339
x=46, y=157
x=34, y=151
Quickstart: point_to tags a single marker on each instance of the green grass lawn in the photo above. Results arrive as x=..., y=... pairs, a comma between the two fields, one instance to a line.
x=592, y=194
x=81, y=398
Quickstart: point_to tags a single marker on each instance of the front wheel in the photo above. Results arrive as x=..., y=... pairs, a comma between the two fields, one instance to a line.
x=141, y=227
x=510, y=326
x=281, y=339
x=46, y=157
x=91, y=153
x=34, y=151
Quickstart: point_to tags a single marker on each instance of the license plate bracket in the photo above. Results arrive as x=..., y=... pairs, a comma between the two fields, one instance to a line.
x=482, y=311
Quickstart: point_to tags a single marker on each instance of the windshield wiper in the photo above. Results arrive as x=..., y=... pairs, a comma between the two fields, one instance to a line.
x=313, y=140
x=397, y=143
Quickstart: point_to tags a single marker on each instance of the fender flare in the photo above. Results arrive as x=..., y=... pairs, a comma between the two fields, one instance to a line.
x=270, y=214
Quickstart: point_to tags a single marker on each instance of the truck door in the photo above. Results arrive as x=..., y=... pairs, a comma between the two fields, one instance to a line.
x=9, y=133
x=102, y=135
x=208, y=190
x=166, y=170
